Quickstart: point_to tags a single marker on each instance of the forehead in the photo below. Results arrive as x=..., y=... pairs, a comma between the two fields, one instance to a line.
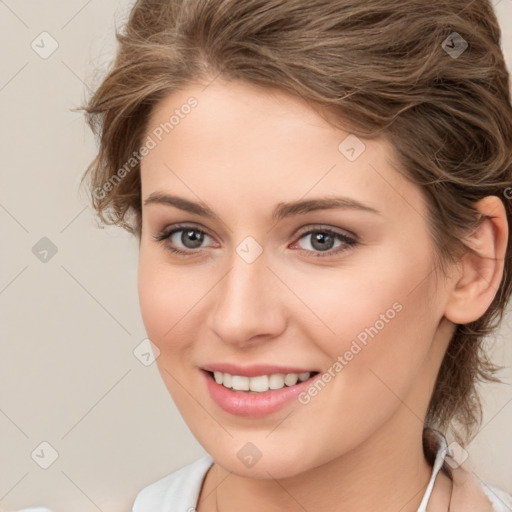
x=233, y=140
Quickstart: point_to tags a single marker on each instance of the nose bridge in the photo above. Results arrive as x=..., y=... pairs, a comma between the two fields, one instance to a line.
x=246, y=304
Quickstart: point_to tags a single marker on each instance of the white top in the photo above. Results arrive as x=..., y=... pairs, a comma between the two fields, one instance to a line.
x=179, y=491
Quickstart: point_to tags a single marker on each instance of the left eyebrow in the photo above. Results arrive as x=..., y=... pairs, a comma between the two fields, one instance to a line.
x=282, y=210
x=302, y=207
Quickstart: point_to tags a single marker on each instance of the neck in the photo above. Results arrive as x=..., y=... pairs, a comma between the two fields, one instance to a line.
x=388, y=472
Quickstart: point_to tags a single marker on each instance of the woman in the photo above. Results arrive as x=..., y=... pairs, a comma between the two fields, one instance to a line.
x=320, y=194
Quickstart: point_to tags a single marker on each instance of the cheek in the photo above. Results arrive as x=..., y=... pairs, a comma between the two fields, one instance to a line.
x=166, y=295
x=379, y=318
x=379, y=296
x=386, y=337
x=384, y=329
x=167, y=299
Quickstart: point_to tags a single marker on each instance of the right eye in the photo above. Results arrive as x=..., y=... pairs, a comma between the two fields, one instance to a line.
x=185, y=240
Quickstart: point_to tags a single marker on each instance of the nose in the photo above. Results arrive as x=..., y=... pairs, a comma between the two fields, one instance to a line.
x=248, y=303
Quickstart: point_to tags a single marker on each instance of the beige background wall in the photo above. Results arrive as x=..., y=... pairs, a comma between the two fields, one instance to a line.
x=69, y=325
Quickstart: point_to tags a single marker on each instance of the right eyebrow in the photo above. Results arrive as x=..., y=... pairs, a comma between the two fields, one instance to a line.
x=181, y=203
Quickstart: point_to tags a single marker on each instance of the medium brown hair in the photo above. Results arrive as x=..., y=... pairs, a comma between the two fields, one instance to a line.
x=379, y=67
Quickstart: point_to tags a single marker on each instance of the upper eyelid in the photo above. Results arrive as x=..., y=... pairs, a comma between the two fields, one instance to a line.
x=183, y=227
x=321, y=227
x=171, y=230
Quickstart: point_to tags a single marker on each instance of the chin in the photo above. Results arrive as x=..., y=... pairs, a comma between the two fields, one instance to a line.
x=245, y=460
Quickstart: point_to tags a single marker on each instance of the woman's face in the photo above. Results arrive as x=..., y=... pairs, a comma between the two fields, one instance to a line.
x=271, y=281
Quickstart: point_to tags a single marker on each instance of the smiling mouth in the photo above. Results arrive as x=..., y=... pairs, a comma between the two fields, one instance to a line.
x=260, y=383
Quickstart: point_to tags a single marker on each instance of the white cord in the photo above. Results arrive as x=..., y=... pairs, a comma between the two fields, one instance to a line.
x=438, y=464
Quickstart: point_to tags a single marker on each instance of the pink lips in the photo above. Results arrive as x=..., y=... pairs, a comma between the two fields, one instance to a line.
x=249, y=404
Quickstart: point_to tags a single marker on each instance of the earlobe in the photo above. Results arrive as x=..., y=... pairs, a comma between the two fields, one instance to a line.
x=481, y=267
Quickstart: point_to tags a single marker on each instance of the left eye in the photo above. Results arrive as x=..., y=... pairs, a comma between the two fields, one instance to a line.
x=324, y=240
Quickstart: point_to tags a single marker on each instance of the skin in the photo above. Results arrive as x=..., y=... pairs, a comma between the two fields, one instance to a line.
x=242, y=151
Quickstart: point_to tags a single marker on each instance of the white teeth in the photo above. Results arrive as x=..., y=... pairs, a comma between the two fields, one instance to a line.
x=239, y=383
x=291, y=379
x=260, y=383
x=276, y=381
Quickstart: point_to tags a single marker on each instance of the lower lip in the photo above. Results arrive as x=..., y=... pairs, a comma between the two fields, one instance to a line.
x=241, y=403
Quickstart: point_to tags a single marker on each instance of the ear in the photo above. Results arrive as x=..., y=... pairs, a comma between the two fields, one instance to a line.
x=481, y=267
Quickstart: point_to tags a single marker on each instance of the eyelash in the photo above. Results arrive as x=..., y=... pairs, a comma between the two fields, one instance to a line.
x=348, y=241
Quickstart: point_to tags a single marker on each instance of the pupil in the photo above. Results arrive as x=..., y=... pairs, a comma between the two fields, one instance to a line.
x=193, y=236
x=323, y=240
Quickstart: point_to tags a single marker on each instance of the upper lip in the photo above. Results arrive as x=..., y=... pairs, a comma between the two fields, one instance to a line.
x=254, y=370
